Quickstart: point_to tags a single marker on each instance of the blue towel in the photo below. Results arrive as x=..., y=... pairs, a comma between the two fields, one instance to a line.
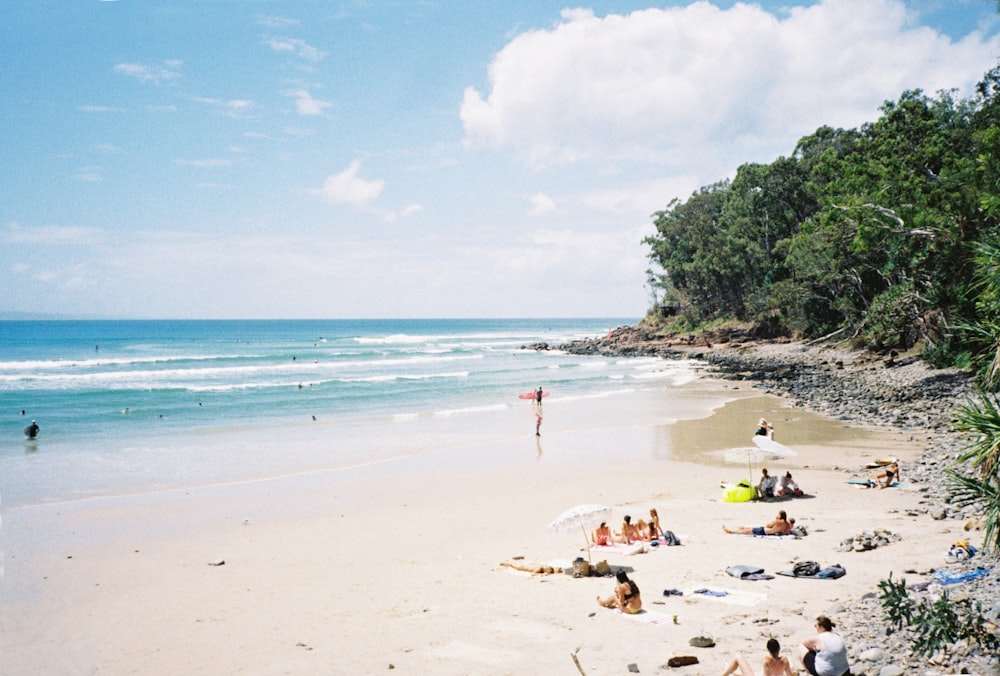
x=948, y=577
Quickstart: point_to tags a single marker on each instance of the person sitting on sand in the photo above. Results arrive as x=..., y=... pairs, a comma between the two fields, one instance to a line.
x=626, y=597
x=788, y=486
x=890, y=474
x=764, y=429
x=824, y=654
x=780, y=526
x=654, y=520
x=775, y=664
x=533, y=568
x=629, y=533
x=767, y=484
x=602, y=535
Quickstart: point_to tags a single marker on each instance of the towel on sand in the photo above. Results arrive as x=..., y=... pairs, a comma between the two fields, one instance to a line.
x=828, y=573
x=723, y=595
x=949, y=577
x=749, y=573
x=653, y=617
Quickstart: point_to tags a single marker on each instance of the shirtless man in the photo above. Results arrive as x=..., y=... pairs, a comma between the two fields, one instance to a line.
x=780, y=526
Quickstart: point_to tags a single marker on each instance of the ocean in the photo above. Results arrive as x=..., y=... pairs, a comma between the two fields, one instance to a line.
x=133, y=406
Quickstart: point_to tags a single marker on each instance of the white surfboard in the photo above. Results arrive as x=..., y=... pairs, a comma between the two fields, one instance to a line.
x=771, y=446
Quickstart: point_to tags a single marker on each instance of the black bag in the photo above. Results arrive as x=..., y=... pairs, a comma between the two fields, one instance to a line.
x=670, y=539
x=805, y=568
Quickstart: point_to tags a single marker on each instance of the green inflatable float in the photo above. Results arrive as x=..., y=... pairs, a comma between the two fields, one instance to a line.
x=738, y=492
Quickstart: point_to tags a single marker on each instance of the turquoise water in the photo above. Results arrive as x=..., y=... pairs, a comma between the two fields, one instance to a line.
x=132, y=405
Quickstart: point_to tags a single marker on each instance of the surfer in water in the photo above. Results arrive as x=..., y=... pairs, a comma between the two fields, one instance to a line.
x=31, y=431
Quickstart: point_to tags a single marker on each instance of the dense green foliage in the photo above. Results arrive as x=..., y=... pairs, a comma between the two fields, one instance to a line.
x=935, y=624
x=885, y=232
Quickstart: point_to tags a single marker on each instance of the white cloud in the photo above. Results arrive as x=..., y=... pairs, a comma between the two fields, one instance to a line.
x=347, y=188
x=299, y=48
x=305, y=104
x=705, y=88
x=541, y=204
x=232, y=107
x=48, y=235
x=98, y=109
x=89, y=175
x=275, y=21
x=205, y=163
x=151, y=73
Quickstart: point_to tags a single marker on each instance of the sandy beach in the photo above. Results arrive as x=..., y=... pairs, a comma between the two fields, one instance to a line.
x=395, y=566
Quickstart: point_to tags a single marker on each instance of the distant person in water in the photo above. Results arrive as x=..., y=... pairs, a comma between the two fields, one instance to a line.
x=32, y=430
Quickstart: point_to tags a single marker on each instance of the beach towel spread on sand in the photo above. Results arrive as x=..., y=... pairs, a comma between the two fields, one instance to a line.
x=829, y=573
x=722, y=595
x=949, y=577
x=653, y=617
x=749, y=573
x=636, y=547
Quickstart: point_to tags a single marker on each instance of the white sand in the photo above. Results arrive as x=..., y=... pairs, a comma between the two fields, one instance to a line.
x=396, y=566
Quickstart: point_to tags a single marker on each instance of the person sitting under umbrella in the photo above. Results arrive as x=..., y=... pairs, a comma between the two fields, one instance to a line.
x=626, y=597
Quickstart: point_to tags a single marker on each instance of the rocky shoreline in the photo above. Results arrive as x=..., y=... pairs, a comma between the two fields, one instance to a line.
x=862, y=387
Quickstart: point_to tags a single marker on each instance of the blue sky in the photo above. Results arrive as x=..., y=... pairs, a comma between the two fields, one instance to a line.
x=411, y=158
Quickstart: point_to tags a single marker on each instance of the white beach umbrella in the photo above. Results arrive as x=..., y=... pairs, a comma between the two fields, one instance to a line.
x=582, y=517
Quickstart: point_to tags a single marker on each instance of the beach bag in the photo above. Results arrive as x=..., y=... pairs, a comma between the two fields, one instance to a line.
x=581, y=568
x=805, y=568
x=670, y=539
x=603, y=568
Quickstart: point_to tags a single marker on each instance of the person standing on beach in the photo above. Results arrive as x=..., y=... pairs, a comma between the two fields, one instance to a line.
x=538, y=411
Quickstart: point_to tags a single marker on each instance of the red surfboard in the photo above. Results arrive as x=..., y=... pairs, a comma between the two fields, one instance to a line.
x=531, y=395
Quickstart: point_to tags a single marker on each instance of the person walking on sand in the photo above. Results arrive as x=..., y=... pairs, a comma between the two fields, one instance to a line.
x=626, y=597
x=824, y=654
x=538, y=421
x=775, y=664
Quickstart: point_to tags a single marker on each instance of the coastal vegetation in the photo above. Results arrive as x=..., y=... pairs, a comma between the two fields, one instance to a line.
x=887, y=235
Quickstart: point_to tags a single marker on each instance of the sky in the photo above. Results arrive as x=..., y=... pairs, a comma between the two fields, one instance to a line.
x=412, y=158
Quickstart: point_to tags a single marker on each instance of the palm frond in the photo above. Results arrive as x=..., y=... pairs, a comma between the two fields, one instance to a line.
x=983, y=494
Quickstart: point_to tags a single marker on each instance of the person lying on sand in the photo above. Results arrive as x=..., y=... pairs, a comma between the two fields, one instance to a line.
x=780, y=526
x=533, y=568
x=775, y=664
x=626, y=597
